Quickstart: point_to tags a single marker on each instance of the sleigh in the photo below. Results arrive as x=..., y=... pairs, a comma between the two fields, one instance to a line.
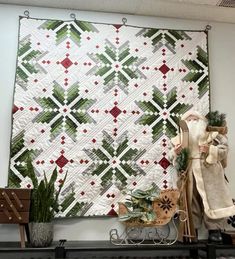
x=161, y=231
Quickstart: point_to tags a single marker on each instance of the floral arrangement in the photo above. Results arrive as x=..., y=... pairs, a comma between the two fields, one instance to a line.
x=139, y=205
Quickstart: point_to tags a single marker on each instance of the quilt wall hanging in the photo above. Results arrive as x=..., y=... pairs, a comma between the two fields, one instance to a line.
x=101, y=102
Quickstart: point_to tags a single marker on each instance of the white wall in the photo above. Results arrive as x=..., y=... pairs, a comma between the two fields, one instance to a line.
x=222, y=73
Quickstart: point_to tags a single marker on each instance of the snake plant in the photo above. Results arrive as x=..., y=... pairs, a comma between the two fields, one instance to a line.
x=44, y=197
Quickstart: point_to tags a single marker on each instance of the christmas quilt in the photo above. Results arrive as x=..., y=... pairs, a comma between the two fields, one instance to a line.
x=100, y=101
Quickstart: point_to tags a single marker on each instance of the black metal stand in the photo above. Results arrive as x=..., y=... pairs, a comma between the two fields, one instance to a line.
x=211, y=251
x=60, y=251
x=193, y=253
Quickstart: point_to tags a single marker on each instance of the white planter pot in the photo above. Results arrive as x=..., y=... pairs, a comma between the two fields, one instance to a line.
x=41, y=234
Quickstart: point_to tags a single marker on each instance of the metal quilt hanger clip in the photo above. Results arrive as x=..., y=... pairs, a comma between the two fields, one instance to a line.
x=26, y=13
x=124, y=21
x=208, y=27
x=73, y=16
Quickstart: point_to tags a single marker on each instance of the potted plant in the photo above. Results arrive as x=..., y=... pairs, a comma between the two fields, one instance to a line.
x=138, y=208
x=44, y=204
x=217, y=122
x=149, y=208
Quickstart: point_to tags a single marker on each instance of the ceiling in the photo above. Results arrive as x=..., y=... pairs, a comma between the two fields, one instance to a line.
x=207, y=10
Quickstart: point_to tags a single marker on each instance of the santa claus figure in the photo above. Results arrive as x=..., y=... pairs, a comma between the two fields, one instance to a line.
x=208, y=196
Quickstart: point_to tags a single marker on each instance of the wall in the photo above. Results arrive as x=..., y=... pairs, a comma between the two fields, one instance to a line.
x=222, y=72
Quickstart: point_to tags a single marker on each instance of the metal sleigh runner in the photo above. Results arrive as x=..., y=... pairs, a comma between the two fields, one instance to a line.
x=152, y=221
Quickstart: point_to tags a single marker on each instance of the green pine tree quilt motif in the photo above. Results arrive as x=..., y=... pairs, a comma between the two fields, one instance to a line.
x=101, y=101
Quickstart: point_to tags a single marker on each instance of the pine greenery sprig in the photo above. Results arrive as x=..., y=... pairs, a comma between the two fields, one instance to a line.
x=182, y=160
x=216, y=118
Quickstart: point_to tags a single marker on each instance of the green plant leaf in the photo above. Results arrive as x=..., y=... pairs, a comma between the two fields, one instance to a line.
x=140, y=206
x=44, y=197
x=217, y=119
x=124, y=217
x=31, y=172
x=182, y=160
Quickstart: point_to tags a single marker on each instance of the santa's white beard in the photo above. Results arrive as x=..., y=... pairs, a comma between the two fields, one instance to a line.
x=197, y=130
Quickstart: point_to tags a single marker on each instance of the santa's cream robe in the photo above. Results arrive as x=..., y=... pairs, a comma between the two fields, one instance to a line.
x=209, y=175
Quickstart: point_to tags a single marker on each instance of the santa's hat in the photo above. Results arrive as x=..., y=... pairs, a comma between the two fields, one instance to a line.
x=193, y=113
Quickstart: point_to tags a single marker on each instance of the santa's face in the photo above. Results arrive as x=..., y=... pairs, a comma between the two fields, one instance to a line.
x=192, y=118
x=197, y=128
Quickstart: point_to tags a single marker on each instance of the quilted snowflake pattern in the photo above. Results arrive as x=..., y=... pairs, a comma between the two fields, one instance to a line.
x=117, y=66
x=67, y=107
x=100, y=101
x=114, y=161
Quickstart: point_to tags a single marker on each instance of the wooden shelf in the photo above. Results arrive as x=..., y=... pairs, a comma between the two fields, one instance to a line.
x=106, y=250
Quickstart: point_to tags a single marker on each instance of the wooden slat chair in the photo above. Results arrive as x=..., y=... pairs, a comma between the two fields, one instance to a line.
x=14, y=209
